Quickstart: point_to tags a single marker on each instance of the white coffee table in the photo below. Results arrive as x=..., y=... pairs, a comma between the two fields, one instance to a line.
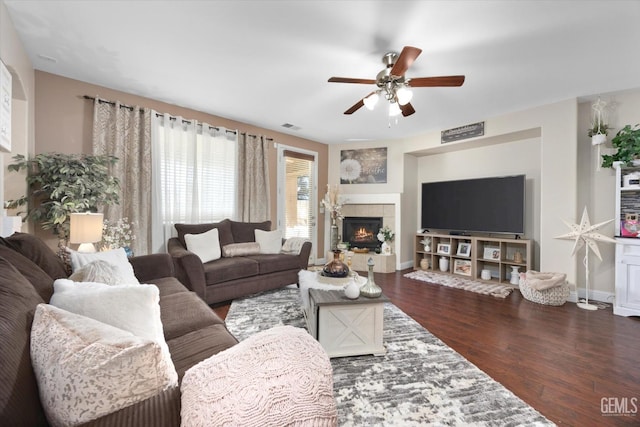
x=346, y=327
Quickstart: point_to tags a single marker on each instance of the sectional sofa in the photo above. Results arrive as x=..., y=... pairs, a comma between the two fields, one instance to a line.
x=28, y=269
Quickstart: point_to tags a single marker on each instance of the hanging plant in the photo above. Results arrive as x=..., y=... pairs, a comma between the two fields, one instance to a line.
x=61, y=184
x=599, y=127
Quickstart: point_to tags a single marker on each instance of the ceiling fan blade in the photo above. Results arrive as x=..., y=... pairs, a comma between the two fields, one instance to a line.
x=404, y=61
x=407, y=110
x=350, y=80
x=436, y=81
x=357, y=105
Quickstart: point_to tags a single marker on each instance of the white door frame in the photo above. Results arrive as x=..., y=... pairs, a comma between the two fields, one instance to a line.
x=313, y=198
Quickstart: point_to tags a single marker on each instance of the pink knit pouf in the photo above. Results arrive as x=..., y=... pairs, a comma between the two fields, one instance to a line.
x=278, y=377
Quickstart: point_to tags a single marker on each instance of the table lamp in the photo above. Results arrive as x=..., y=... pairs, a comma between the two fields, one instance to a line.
x=85, y=229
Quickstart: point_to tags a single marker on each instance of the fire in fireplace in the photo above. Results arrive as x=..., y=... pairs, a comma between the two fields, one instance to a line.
x=361, y=232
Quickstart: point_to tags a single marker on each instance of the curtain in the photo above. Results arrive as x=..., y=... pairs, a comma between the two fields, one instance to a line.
x=194, y=175
x=253, y=179
x=125, y=132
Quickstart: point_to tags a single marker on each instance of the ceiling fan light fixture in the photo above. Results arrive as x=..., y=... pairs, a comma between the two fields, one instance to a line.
x=371, y=101
x=394, y=109
x=404, y=95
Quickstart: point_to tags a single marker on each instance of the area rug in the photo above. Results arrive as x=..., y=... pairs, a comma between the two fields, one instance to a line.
x=496, y=290
x=420, y=381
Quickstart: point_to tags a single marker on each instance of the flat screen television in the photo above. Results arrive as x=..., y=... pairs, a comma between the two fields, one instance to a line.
x=487, y=205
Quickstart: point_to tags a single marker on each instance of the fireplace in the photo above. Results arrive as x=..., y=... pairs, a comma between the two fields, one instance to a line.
x=362, y=232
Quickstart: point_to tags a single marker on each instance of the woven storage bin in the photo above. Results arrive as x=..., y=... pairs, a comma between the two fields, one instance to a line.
x=552, y=296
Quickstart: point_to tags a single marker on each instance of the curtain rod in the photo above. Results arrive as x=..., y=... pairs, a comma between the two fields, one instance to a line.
x=130, y=108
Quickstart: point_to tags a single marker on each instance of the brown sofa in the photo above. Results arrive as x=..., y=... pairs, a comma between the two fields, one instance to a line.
x=27, y=271
x=232, y=277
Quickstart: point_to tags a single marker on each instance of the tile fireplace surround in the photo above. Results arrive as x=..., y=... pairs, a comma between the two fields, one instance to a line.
x=386, y=206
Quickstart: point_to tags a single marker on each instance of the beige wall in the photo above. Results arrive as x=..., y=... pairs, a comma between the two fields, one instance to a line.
x=550, y=137
x=64, y=123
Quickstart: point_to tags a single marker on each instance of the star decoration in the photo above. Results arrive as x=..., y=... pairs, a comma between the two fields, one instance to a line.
x=585, y=233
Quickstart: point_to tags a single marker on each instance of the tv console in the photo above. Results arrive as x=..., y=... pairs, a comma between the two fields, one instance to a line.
x=468, y=256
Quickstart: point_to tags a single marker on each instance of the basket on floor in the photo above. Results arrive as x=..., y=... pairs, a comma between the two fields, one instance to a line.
x=557, y=295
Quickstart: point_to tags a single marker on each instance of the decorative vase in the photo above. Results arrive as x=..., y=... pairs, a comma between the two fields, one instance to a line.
x=334, y=237
x=485, y=274
x=515, y=275
x=370, y=289
x=385, y=248
x=352, y=290
x=424, y=264
x=128, y=251
x=427, y=248
x=444, y=263
x=517, y=257
x=335, y=267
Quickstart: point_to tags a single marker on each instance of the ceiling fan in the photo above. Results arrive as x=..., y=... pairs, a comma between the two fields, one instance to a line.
x=393, y=84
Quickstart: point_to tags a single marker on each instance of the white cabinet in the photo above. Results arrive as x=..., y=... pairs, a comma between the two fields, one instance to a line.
x=627, y=277
x=627, y=301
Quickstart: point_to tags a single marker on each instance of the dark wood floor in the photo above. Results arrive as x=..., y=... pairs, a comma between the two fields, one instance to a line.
x=563, y=361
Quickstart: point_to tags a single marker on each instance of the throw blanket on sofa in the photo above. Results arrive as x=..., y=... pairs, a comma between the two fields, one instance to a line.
x=293, y=245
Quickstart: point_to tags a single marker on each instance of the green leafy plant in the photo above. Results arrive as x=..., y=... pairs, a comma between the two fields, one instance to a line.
x=627, y=143
x=598, y=128
x=61, y=184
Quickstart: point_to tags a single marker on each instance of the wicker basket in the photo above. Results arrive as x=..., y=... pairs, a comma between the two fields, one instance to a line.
x=552, y=296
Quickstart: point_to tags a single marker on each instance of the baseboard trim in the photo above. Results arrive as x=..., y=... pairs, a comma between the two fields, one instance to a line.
x=406, y=264
x=601, y=296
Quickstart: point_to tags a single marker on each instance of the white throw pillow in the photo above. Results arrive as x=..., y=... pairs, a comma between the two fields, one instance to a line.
x=99, y=271
x=270, y=241
x=134, y=308
x=206, y=245
x=117, y=257
x=86, y=369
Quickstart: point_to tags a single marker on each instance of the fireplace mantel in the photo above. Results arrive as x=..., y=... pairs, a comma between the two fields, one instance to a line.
x=382, y=199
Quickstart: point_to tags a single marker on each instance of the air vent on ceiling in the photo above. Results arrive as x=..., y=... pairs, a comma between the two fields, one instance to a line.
x=290, y=126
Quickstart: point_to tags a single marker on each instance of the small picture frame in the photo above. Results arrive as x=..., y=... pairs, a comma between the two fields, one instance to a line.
x=444, y=248
x=462, y=267
x=491, y=253
x=464, y=249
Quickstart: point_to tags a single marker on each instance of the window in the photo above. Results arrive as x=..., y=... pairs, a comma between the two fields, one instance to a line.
x=195, y=173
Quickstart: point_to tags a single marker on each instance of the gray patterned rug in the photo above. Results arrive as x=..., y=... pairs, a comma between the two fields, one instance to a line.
x=493, y=289
x=420, y=381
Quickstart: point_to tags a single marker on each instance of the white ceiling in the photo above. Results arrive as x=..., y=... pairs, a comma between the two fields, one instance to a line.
x=266, y=63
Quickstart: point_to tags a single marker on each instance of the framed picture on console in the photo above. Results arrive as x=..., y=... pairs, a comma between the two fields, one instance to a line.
x=491, y=253
x=464, y=249
x=444, y=248
x=462, y=266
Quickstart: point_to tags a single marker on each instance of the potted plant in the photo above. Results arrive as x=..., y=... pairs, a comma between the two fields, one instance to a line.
x=627, y=143
x=61, y=184
x=386, y=235
x=598, y=132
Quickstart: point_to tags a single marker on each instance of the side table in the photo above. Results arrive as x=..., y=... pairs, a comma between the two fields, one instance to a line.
x=346, y=327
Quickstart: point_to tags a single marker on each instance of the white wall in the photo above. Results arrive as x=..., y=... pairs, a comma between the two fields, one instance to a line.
x=597, y=185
